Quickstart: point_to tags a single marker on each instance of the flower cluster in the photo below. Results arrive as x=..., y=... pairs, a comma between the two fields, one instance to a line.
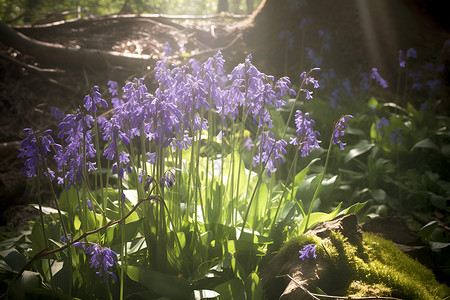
x=308, y=251
x=396, y=136
x=376, y=76
x=35, y=150
x=306, y=139
x=338, y=130
x=102, y=259
x=73, y=158
x=172, y=116
x=410, y=53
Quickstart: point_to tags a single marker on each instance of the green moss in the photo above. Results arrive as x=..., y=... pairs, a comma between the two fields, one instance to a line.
x=377, y=268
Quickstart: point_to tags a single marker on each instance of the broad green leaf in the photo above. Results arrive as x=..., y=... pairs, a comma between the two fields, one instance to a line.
x=426, y=231
x=318, y=217
x=48, y=210
x=254, y=286
x=287, y=213
x=161, y=283
x=206, y=294
x=352, y=209
x=372, y=103
x=14, y=259
x=362, y=147
x=378, y=195
x=425, y=143
x=232, y=289
x=436, y=246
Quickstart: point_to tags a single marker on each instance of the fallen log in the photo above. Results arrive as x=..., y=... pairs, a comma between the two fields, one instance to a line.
x=58, y=55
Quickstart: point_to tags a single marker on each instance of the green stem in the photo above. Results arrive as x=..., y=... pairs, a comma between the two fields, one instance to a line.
x=41, y=216
x=316, y=193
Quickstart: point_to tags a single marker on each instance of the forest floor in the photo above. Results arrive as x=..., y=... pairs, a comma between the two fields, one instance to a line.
x=28, y=88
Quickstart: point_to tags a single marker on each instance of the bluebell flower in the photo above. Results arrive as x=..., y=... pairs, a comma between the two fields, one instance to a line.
x=169, y=177
x=91, y=100
x=424, y=107
x=383, y=122
x=79, y=148
x=270, y=152
x=338, y=130
x=429, y=67
x=89, y=205
x=308, y=251
x=102, y=259
x=306, y=139
x=167, y=50
x=304, y=22
x=401, y=60
x=35, y=151
x=66, y=238
x=57, y=113
x=433, y=84
x=396, y=136
x=376, y=76
x=411, y=53
x=364, y=84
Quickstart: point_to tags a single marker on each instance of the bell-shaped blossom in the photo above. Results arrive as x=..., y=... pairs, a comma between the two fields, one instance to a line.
x=338, y=130
x=306, y=139
x=308, y=251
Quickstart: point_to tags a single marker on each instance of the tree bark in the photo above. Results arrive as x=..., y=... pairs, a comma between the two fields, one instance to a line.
x=58, y=55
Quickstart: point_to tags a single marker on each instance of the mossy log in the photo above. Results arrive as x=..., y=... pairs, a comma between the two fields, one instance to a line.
x=349, y=263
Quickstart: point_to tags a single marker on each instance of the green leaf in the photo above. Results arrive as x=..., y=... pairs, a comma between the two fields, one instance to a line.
x=362, y=147
x=162, y=284
x=378, y=195
x=232, y=289
x=14, y=259
x=426, y=231
x=206, y=294
x=48, y=210
x=425, y=143
x=287, y=213
x=352, y=209
x=436, y=246
x=319, y=217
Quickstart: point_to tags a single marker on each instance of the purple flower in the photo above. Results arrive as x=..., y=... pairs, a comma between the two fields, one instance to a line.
x=304, y=22
x=94, y=98
x=167, y=50
x=89, y=205
x=401, y=60
x=396, y=136
x=76, y=132
x=35, y=150
x=270, y=152
x=66, y=238
x=57, y=113
x=375, y=75
x=308, y=251
x=102, y=259
x=411, y=53
x=248, y=143
x=364, y=84
x=306, y=79
x=306, y=139
x=338, y=130
x=169, y=177
x=382, y=122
